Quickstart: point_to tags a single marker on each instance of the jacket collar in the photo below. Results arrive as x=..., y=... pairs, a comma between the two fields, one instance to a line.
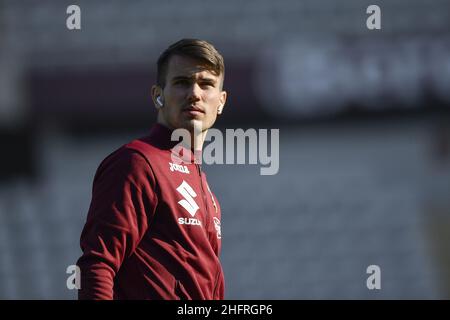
x=160, y=137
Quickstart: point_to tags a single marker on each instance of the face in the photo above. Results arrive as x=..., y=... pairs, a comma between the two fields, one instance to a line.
x=192, y=95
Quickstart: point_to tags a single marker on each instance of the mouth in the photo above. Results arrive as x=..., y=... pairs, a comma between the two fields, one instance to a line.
x=193, y=110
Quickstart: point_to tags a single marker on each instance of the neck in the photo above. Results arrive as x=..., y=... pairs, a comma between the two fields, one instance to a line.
x=197, y=135
x=197, y=140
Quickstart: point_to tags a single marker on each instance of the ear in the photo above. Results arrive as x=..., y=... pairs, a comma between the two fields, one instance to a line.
x=222, y=99
x=156, y=92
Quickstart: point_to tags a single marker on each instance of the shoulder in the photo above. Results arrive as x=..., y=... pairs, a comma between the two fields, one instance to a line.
x=123, y=157
x=122, y=163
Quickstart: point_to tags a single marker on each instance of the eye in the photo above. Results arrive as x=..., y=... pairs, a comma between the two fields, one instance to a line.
x=207, y=84
x=181, y=82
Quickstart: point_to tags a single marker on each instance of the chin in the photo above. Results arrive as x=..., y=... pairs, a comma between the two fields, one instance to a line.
x=190, y=124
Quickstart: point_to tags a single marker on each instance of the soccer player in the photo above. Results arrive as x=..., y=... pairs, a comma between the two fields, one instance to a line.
x=153, y=226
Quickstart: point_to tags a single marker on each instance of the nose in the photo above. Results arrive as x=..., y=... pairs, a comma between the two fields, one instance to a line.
x=194, y=93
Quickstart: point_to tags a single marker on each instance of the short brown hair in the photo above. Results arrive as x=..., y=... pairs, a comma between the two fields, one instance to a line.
x=193, y=48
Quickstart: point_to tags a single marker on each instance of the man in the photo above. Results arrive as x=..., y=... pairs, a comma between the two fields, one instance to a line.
x=153, y=226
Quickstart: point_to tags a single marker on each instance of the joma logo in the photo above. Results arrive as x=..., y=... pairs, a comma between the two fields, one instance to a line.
x=178, y=167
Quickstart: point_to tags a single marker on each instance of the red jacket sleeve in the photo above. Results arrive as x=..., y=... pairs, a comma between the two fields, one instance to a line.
x=123, y=203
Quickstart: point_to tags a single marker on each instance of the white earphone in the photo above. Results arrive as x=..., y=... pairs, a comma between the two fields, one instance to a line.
x=159, y=103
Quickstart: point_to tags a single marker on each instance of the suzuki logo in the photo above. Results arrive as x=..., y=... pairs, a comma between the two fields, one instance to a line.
x=188, y=194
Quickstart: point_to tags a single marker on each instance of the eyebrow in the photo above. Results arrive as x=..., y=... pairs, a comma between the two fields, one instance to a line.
x=209, y=80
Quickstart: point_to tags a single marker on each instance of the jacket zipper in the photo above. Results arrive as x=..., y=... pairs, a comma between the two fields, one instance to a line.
x=206, y=227
x=203, y=196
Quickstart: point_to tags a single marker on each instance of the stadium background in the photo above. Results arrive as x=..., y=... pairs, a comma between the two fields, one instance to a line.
x=364, y=138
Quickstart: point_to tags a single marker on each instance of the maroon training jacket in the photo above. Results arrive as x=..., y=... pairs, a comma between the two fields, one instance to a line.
x=153, y=227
